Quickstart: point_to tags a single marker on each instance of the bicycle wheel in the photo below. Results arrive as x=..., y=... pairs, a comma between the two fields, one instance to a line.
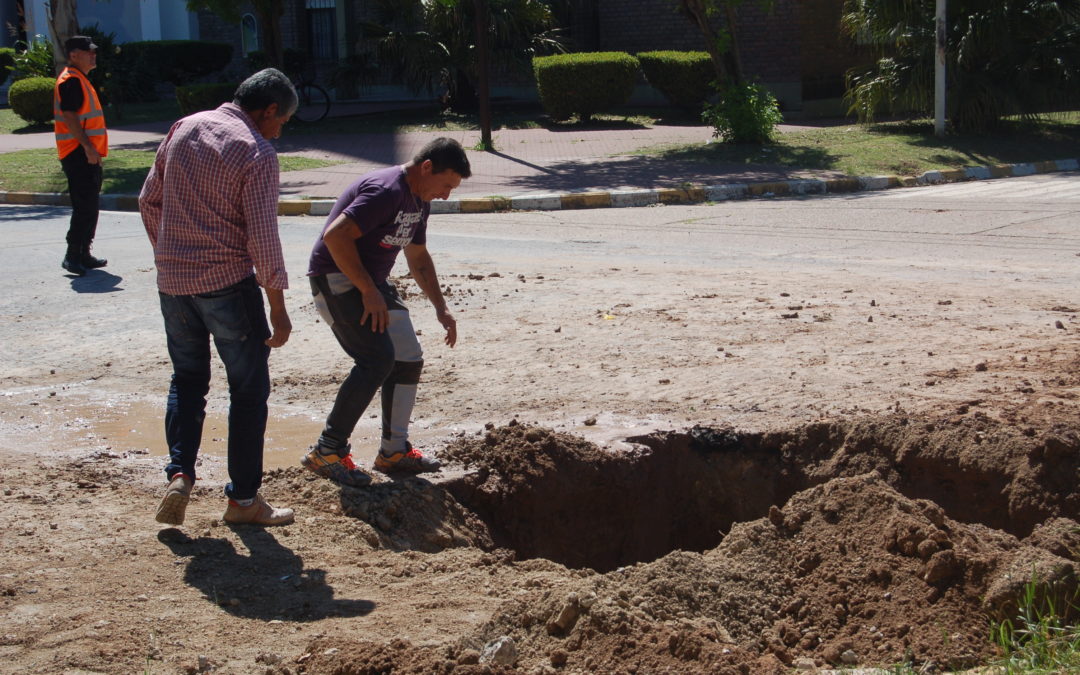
x=314, y=103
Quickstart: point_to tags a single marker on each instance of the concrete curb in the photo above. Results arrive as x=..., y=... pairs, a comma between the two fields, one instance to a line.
x=625, y=198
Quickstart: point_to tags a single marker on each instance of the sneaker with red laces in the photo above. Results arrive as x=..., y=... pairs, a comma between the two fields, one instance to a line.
x=411, y=461
x=338, y=468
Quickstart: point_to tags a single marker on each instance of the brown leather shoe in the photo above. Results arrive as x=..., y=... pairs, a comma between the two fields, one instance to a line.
x=174, y=503
x=259, y=513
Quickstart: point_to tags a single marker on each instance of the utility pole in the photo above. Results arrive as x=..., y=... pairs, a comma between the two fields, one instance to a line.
x=939, y=70
x=482, y=88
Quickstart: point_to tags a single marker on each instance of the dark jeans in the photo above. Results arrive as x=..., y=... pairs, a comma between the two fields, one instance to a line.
x=236, y=319
x=391, y=360
x=84, y=186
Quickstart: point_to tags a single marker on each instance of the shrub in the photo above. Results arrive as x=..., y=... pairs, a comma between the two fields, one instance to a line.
x=584, y=84
x=7, y=63
x=746, y=113
x=31, y=98
x=195, y=97
x=684, y=78
x=109, y=63
x=178, y=61
x=34, y=59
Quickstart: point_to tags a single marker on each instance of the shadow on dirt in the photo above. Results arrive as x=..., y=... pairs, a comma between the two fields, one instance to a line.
x=268, y=583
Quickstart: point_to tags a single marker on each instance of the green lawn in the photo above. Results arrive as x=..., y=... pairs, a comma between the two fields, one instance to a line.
x=895, y=148
x=125, y=170
x=899, y=148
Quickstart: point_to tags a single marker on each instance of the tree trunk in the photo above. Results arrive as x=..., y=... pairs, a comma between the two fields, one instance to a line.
x=63, y=23
x=482, y=89
x=269, y=13
x=725, y=62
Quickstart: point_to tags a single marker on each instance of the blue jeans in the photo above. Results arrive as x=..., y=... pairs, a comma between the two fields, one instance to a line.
x=236, y=319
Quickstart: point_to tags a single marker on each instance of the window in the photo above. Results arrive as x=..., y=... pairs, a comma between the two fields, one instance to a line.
x=249, y=34
x=322, y=38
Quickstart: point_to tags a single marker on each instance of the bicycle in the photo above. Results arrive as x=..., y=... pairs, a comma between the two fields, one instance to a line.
x=314, y=103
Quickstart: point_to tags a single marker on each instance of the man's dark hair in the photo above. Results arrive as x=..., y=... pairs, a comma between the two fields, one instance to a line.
x=445, y=153
x=265, y=87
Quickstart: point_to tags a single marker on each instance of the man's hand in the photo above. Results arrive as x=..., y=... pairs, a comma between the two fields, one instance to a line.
x=450, y=324
x=375, y=307
x=281, y=326
x=92, y=156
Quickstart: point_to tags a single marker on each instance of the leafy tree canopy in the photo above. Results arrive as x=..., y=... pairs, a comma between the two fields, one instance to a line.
x=1004, y=58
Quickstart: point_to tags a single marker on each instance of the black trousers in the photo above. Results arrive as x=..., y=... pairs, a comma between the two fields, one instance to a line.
x=84, y=186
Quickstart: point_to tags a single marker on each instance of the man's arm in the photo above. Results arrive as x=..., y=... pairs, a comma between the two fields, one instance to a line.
x=258, y=206
x=150, y=197
x=340, y=239
x=422, y=268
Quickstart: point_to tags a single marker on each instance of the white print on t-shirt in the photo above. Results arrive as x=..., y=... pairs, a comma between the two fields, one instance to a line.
x=406, y=222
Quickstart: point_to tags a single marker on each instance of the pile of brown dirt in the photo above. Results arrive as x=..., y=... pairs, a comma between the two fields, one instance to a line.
x=847, y=571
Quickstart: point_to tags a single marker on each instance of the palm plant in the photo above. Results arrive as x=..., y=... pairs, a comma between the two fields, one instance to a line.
x=431, y=44
x=1004, y=58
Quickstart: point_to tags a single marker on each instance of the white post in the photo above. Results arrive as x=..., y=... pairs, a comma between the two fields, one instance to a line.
x=939, y=70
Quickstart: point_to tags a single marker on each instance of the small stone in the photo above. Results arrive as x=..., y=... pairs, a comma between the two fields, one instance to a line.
x=1059, y=325
x=591, y=422
x=559, y=658
x=502, y=651
x=469, y=657
x=849, y=657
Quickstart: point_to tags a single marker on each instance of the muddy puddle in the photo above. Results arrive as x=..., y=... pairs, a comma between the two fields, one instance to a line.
x=132, y=425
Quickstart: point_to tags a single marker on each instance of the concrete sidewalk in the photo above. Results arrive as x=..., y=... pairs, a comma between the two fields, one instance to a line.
x=532, y=168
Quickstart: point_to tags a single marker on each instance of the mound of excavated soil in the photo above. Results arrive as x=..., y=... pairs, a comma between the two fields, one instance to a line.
x=830, y=545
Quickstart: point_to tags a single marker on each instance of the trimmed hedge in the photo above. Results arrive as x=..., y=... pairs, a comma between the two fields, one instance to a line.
x=31, y=98
x=7, y=63
x=584, y=84
x=195, y=97
x=177, y=61
x=684, y=78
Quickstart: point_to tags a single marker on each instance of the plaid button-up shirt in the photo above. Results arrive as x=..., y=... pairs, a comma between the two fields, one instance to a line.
x=209, y=205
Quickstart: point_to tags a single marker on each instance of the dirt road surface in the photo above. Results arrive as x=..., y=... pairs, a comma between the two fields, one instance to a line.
x=735, y=438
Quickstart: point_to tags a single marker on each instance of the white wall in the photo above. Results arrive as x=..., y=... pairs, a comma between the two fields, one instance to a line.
x=129, y=20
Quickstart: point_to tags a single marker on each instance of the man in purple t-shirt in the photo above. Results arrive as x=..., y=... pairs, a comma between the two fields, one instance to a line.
x=383, y=212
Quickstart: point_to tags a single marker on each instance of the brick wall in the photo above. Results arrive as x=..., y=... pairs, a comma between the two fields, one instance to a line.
x=826, y=53
x=213, y=29
x=768, y=41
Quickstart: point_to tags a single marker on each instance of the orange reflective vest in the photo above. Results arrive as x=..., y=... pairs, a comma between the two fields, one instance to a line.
x=91, y=117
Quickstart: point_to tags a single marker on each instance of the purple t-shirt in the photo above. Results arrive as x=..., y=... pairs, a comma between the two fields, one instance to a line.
x=389, y=217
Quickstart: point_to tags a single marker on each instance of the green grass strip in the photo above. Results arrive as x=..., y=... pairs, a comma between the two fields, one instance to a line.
x=39, y=170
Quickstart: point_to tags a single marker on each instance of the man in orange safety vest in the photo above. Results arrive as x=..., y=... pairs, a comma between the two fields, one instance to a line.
x=81, y=142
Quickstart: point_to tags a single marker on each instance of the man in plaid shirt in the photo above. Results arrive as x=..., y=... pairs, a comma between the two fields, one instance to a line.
x=209, y=206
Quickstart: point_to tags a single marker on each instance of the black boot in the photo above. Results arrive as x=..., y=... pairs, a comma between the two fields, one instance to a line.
x=73, y=263
x=90, y=262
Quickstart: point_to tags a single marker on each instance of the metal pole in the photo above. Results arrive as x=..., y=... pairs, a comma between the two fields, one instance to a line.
x=939, y=71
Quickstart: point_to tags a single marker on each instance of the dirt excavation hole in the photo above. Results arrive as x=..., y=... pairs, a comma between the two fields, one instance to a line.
x=876, y=541
x=550, y=495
